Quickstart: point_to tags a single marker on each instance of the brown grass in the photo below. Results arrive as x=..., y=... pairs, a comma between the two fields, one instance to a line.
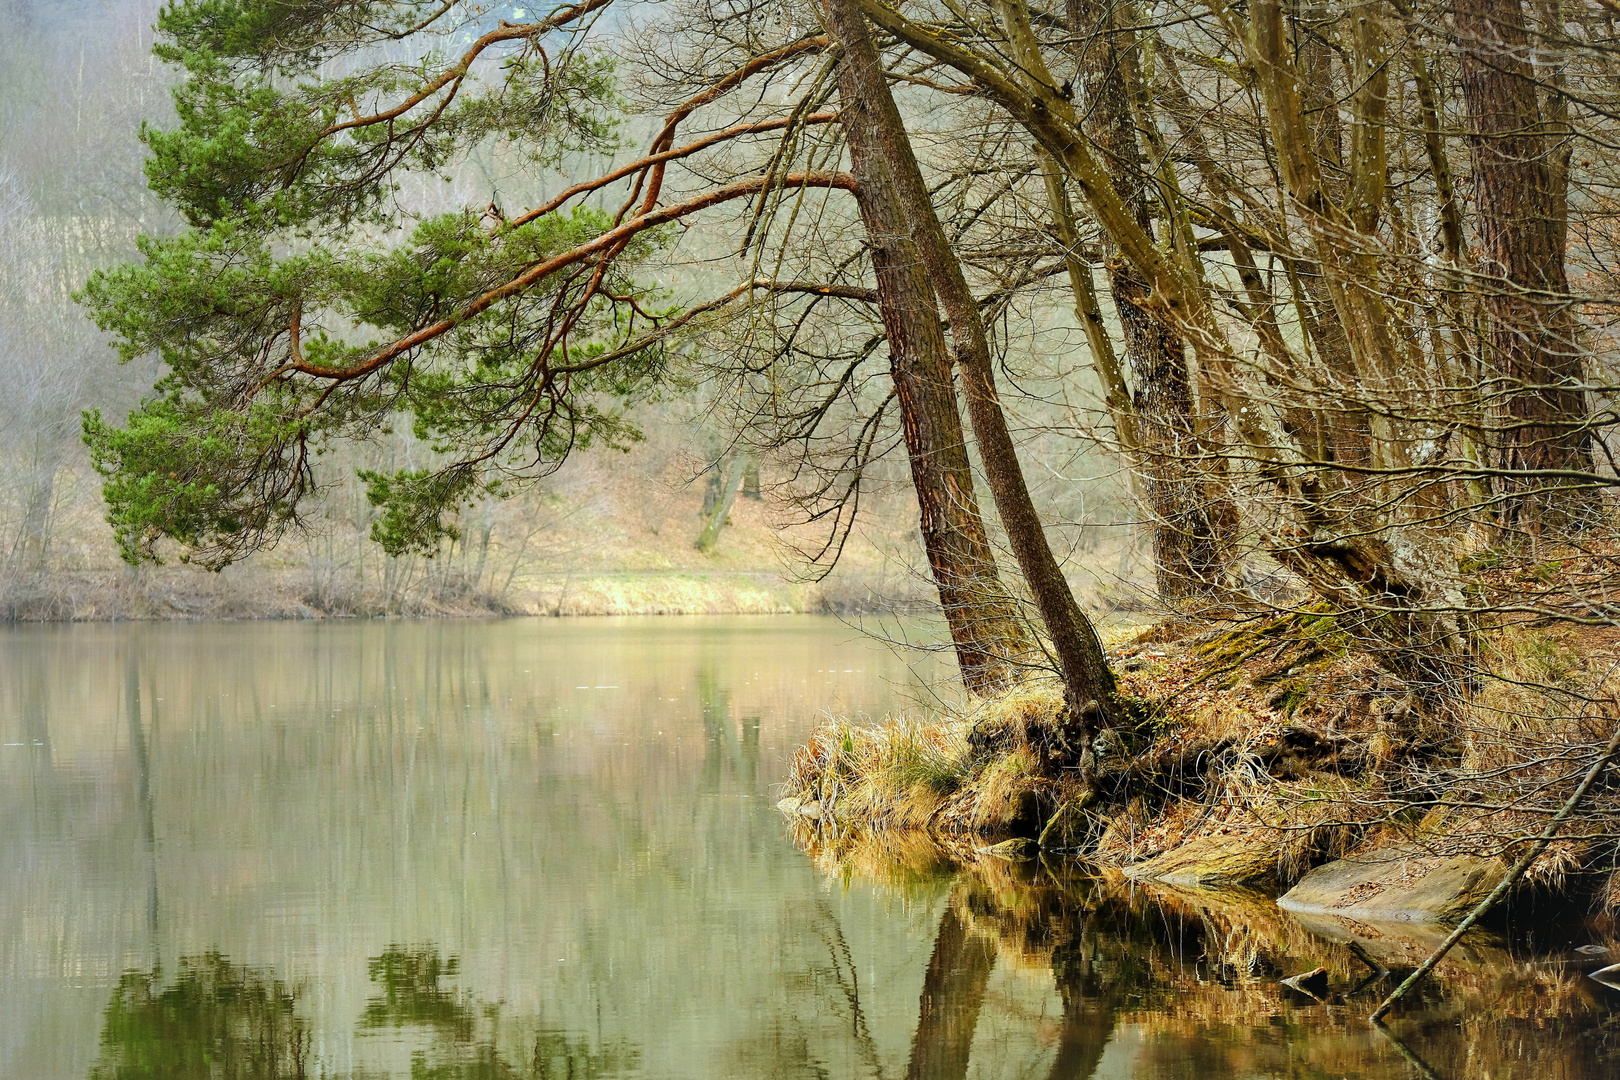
x=898, y=772
x=1240, y=698
x=908, y=772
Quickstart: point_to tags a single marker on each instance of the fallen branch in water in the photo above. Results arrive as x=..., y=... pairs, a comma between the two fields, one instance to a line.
x=1506, y=883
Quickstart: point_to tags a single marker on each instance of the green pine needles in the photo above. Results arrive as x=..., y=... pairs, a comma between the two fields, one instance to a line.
x=308, y=307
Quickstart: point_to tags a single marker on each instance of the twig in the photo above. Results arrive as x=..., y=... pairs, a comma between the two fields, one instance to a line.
x=1506, y=883
x=1425, y=1070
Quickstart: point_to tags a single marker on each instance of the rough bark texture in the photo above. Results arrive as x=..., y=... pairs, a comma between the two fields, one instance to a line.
x=1088, y=683
x=1520, y=197
x=1191, y=523
x=984, y=623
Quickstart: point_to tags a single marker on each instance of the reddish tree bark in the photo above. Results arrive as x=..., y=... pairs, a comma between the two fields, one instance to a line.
x=1088, y=682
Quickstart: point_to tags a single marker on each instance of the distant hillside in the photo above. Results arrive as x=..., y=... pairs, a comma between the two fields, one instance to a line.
x=611, y=533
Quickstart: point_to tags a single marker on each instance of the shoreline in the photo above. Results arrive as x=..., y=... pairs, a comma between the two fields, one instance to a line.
x=178, y=595
x=1264, y=754
x=181, y=594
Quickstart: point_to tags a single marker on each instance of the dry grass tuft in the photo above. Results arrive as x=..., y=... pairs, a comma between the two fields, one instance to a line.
x=1015, y=719
x=897, y=772
x=1610, y=896
x=906, y=772
x=1134, y=832
x=1310, y=823
x=1008, y=794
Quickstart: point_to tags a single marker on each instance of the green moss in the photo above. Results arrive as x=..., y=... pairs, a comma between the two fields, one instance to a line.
x=1480, y=561
x=1293, y=694
x=1543, y=573
x=1296, y=639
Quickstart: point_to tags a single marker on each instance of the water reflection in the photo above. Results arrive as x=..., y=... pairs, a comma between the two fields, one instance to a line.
x=222, y=1021
x=414, y=993
x=953, y=994
x=578, y=812
x=462, y=1033
x=143, y=789
x=215, y=1021
x=1159, y=983
x=548, y=848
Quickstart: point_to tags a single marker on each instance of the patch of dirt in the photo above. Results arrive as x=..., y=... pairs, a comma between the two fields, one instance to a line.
x=1365, y=891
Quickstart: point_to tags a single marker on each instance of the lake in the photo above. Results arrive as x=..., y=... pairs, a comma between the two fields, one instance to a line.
x=550, y=848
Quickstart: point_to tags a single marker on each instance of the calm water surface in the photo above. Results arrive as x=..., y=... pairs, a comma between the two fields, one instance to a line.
x=549, y=848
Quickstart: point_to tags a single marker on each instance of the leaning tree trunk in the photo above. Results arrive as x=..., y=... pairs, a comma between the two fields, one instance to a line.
x=989, y=637
x=1520, y=196
x=1087, y=681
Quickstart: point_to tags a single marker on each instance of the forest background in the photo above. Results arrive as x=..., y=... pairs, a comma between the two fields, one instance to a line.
x=610, y=532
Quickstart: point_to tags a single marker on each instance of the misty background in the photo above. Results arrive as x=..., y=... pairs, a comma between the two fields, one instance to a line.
x=609, y=533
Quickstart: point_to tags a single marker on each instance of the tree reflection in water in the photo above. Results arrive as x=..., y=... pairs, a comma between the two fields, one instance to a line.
x=216, y=1021
x=1158, y=983
x=223, y=1021
x=953, y=994
x=414, y=995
